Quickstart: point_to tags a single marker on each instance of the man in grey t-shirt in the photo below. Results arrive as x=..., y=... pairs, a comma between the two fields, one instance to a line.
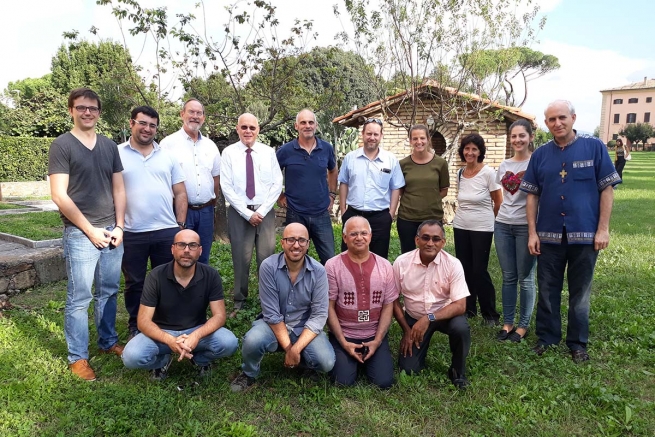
x=87, y=185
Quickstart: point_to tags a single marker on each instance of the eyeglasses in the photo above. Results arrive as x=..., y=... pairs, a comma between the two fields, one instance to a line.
x=193, y=246
x=302, y=242
x=434, y=238
x=373, y=120
x=91, y=109
x=356, y=234
x=145, y=124
x=194, y=113
x=252, y=128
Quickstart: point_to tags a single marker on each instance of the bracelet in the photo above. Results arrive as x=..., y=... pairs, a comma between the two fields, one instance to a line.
x=332, y=195
x=182, y=225
x=333, y=192
x=119, y=227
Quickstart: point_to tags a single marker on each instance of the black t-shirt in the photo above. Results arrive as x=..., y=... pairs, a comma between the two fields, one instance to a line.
x=178, y=308
x=90, y=175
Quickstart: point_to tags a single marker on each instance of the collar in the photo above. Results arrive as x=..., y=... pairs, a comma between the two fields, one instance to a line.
x=128, y=143
x=575, y=137
x=282, y=262
x=242, y=147
x=188, y=137
x=416, y=258
x=197, y=276
x=296, y=144
x=360, y=152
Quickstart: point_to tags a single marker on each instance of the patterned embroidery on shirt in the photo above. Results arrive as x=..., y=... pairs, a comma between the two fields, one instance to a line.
x=362, y=316
x=608, y=180
x=583, y=164
x=377, y=296
x=529, y=187
x=349, y=298
x=511, y=181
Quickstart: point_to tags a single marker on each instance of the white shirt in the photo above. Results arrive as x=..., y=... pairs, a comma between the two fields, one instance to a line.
x=513, y=209
x=268, y=178
x=200, y=161
x=475, y=211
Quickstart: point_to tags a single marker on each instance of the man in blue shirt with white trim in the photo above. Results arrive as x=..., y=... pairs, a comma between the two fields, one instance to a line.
x=310, y=171
x=570, y=185
x=370, y=181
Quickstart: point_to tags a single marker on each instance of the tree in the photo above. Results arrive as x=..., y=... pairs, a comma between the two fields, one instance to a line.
x=638, y=132
x=597, y=132
x=541, y=137
x=412, y=40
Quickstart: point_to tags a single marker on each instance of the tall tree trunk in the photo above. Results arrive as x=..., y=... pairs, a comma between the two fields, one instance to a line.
x=220, y=220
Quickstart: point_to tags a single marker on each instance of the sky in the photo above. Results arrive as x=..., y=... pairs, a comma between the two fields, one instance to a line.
x=600, y=43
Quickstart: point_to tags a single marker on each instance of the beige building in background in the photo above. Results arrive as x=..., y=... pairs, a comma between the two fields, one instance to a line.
x=626, y=104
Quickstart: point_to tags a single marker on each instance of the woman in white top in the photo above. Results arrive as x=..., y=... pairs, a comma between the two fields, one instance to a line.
x=511, y=236
x=478, y=200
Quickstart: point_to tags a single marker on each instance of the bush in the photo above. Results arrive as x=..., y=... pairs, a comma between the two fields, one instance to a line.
x=24, y=158
x=611, y=144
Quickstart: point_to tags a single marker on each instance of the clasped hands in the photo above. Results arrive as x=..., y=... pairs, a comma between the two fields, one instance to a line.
x=184, y=345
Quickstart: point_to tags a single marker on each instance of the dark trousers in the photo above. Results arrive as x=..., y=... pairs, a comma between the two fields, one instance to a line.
x=139, y=247
x=459, y=337
x=620, y=165
x=202, y=222
x=378, y=368
x=406, y=233
x=380, y=222
x=581, y=260
x=472, y=249
x=320, y=231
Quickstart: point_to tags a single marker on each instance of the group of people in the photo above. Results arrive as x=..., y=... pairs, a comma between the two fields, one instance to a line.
x=124, y=206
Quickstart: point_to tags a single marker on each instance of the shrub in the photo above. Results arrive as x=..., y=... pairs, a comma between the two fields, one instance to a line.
x=611, y=144
x=23, y=158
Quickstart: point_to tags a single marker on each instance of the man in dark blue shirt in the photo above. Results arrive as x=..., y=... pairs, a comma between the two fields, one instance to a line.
x=569, y=182
x=310, y=171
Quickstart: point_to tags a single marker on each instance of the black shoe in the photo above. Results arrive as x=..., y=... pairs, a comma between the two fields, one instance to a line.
x=490, y=322
x=161, y=373
x=133, y=333
x=579, y=355
x=504, y=335
x=242, y=383
x=202, y=370
x=516, y=337
x=540, y=349
x=458, y=381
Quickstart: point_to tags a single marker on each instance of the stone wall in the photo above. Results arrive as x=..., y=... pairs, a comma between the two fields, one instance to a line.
x=24, y=189
x=23, y=269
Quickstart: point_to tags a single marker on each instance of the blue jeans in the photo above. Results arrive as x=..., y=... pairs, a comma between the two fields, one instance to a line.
x=318, y=355
x=84, y=265
x=142, y=352
x=139, y=247
x=518, y=267
x=202, y=222
x=320, y=231
x=581, y=260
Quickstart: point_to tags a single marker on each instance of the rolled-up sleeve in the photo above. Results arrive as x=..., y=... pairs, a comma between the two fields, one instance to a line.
x=268, y=294
x=320, y=303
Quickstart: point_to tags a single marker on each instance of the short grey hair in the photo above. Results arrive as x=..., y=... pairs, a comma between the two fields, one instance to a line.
x=345, y=225
x=559, y=102
x=303, y=110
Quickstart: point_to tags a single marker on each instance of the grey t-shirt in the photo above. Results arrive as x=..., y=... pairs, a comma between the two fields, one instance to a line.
x=90, y=175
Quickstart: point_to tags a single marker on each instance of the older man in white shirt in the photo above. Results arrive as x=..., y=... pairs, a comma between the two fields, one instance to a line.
x=251, y=182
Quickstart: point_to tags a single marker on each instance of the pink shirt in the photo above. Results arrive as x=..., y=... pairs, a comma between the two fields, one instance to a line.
x=427, y=289
x=360, y=293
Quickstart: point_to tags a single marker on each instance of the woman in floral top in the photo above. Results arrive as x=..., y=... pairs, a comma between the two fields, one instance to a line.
x=511, y=236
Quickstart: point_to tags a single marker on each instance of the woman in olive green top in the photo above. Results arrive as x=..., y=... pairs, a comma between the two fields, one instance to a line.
x=426, y=184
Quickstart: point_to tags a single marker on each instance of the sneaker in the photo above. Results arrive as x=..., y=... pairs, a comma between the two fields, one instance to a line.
x=241, y=383
x=203, y=371
x=82, y=369
x=116, y=349
x=133, y=333
x=161, y=373
x=458, y=381
x=540, y=349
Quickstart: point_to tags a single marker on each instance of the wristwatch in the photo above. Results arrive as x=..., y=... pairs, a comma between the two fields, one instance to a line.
x=431, y=317
x=181, y=225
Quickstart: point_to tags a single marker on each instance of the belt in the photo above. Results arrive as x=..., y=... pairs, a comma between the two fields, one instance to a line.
x=204, y=205
x=253, y=207
x=367, y=213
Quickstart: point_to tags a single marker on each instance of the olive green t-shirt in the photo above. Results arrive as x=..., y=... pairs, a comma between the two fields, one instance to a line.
x=421, y=200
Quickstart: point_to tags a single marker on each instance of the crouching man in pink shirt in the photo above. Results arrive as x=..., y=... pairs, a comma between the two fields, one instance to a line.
x=432, y=285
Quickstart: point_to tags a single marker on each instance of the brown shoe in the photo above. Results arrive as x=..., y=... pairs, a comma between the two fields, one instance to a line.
x=82, y=369
x=116, y=349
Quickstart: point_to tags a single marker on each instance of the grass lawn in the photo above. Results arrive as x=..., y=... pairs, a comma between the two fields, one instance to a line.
x=5, y=205
x=37, y=226
x=513, y=392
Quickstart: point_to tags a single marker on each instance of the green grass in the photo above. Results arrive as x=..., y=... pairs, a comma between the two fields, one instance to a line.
x=45, y=225
x=513, y=392
x=5, y=205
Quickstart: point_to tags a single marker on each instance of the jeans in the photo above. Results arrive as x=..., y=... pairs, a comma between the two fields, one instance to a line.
x=459, y=338
x=85, y=264
x=139, y=247
x=318, y=355
x=581, y=260
x=472, y=249
x=518, y=267
x=202, y=221
x=379, y=367
x=320, y=231
x=144, y=353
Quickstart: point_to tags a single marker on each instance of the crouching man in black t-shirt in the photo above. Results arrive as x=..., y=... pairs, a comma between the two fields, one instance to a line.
x=173, y=314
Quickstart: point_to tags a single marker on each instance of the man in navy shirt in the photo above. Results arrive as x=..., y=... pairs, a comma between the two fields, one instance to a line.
x=310, y=170
x=569, y=182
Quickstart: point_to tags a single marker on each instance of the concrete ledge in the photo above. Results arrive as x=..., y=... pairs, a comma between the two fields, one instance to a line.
x=31, y=243
x=22, y=268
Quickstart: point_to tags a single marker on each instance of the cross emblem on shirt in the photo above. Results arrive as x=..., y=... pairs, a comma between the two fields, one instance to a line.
x=563, y=173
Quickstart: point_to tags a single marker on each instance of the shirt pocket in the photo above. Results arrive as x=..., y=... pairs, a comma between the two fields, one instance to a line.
x=265, y=175
x=584, y=173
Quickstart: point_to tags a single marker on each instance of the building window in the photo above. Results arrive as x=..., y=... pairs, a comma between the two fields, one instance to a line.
x=647, y=117
x=618, y=101
x=616, y=118
x=631, y=118
x=615, y=137
x=633, y=100
x=649, y=99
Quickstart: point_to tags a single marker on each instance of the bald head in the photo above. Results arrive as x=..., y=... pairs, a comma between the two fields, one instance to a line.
x=295, y=230
x=187, y=236
x=248, y=129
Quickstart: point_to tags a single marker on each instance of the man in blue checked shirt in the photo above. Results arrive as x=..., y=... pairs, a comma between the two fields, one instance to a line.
x=370, y=182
